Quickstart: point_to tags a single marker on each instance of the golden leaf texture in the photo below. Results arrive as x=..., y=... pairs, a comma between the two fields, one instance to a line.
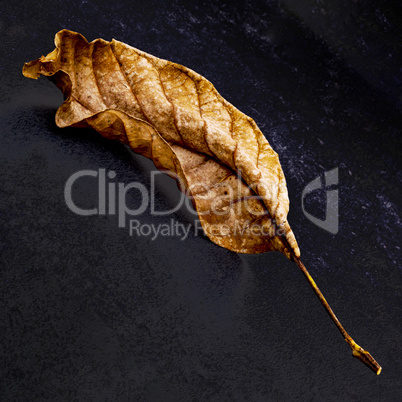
x=177, y=118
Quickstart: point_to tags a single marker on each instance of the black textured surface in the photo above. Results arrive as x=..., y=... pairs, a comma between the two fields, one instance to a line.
x=90, y=313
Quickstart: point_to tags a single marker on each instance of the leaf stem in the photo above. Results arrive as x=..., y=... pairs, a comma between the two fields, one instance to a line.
x=358, y=352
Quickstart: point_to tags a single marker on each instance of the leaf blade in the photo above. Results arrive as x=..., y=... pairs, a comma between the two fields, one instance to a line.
x=184, y=109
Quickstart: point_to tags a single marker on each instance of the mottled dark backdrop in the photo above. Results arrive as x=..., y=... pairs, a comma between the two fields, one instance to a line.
x=91, y=313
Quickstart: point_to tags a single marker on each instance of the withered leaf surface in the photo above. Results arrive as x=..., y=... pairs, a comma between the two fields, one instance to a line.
x=177, y=118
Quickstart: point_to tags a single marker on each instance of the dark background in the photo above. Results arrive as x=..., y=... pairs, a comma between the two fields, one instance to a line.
x=90, y=313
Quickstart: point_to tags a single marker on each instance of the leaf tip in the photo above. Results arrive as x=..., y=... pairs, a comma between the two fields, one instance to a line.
x=31, y=69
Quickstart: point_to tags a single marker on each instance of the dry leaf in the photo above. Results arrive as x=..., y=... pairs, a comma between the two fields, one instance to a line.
x=176, y=117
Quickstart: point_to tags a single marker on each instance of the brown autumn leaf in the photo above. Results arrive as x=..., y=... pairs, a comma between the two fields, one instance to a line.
x=176, y=117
